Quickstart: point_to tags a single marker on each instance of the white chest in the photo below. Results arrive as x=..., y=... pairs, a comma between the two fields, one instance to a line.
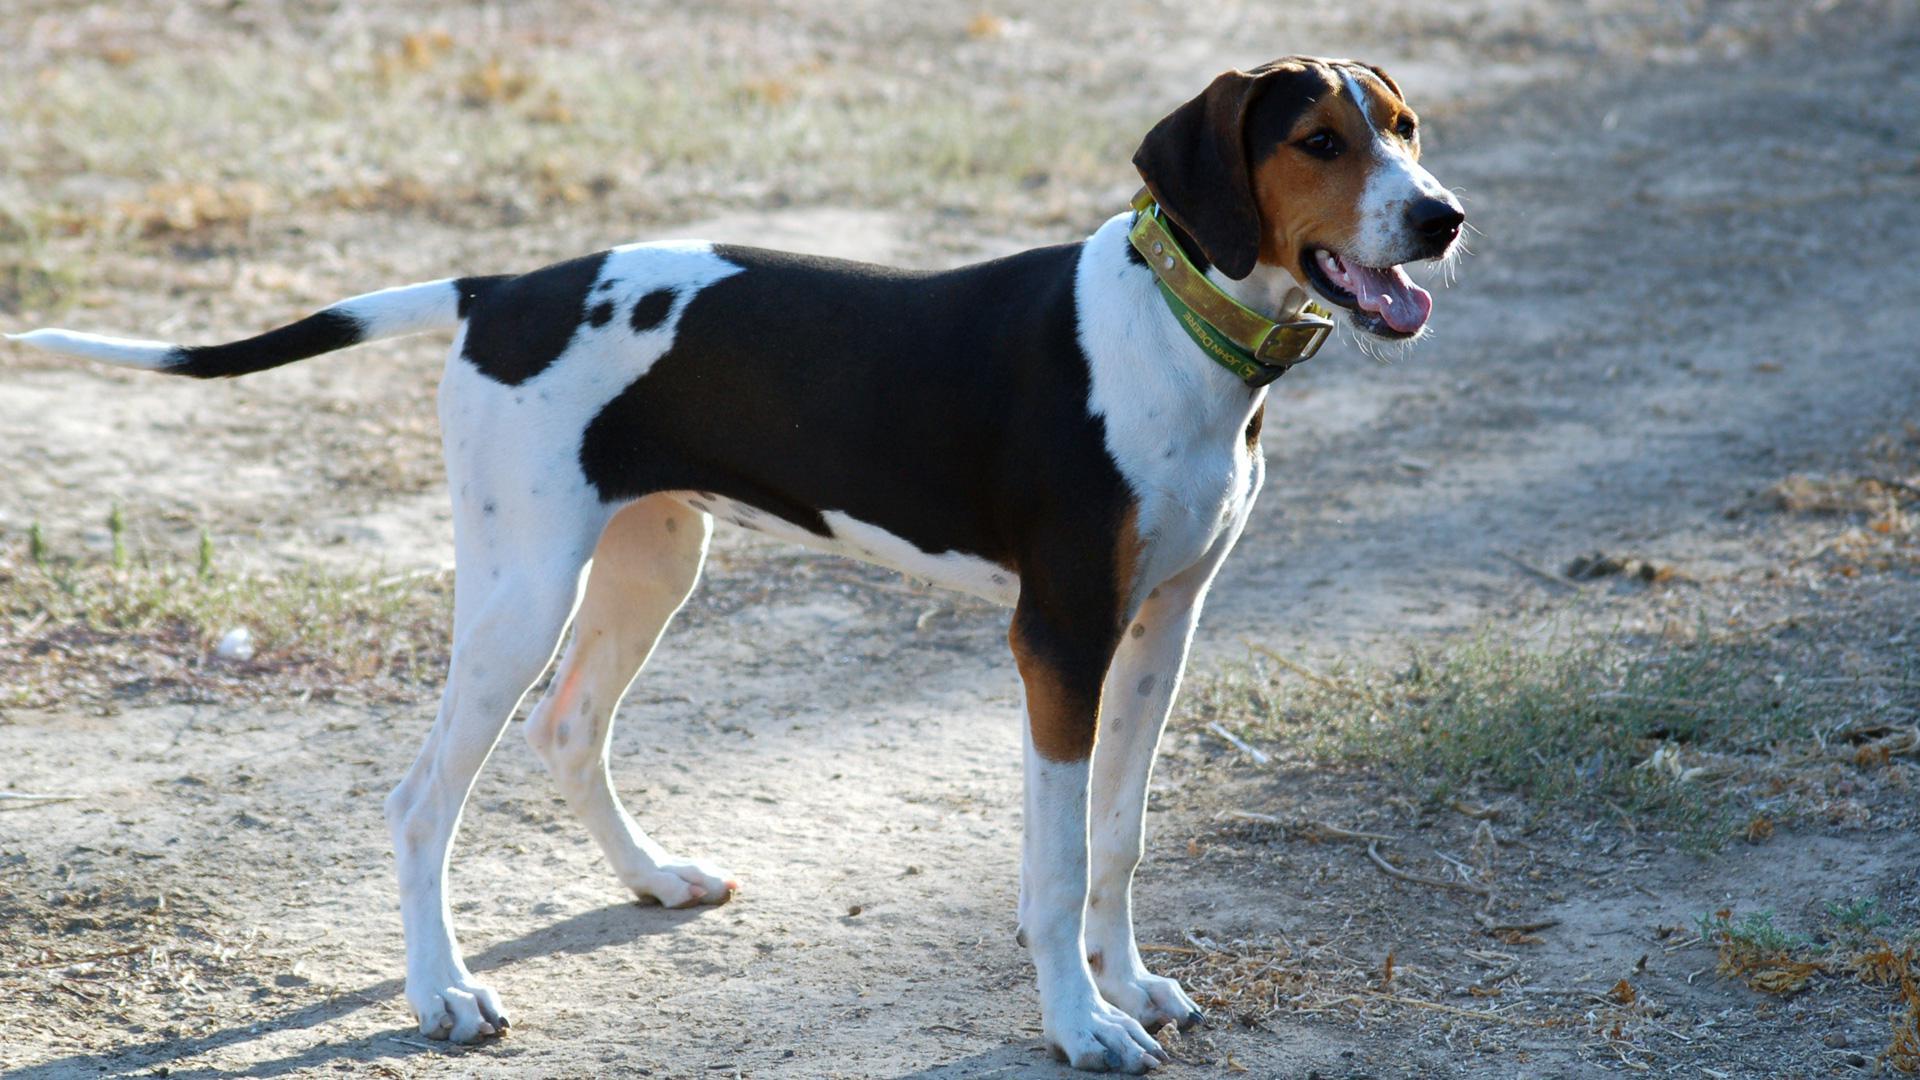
x=1175, y=422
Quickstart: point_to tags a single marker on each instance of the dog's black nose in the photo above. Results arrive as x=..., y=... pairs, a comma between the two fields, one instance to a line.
x=1435, y=220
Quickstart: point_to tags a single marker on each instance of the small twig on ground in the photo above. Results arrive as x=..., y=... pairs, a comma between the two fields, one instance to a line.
x=1259, y=756
x=86, y=996
x=1180, y=950
x=1454, y=1010
x=1373, y=852
x=32, y=800
x=1202, y=944
x=1553, y=579
x=1334, y=831
x=1651, y=699
x=1494, y=978
x=1477, y=813
x=1466, y=871
x=399, y=579
x=59, y=961
x=1309, y=674
x=1486, y=923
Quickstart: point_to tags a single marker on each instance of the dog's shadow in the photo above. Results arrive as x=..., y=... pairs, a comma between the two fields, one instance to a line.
x=586, y=932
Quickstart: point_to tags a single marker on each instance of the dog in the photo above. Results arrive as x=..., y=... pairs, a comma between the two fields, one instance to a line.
x=1072, y=431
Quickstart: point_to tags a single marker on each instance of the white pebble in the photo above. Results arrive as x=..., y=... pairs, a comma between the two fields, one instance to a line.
x=236, y=644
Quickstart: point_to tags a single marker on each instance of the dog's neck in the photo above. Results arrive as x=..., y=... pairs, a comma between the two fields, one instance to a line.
x=1268, y=290
x=1145, y=362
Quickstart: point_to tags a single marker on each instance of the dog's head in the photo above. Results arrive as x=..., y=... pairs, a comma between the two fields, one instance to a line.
x=1311, y=166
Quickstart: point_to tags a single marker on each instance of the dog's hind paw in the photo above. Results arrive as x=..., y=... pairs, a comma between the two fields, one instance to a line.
x=462, y=1011
x=683, y=884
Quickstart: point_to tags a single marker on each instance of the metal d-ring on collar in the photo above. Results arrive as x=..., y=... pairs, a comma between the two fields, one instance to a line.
x=1254, y=347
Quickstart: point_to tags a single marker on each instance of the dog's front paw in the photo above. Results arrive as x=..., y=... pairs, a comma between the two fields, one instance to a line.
x=1098, y=1037
x=1152, y=1000
x=457, y=1009
x=684, y=884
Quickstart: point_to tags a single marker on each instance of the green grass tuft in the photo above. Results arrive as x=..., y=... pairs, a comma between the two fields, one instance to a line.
x=1644, y=727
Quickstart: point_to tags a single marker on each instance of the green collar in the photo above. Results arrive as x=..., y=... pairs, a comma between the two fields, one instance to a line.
x=1236, y=337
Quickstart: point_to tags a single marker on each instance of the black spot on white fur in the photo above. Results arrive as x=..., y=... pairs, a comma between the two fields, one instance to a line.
x=602, y=313
x=651, y=310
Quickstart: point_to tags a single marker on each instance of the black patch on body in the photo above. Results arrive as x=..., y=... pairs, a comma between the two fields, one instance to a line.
x=318, y=333
x=522, y=324
x=602, y=313
x=948, y=408
x=651, y=310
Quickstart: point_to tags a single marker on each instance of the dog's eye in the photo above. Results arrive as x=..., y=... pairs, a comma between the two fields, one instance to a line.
x=1322, y=144
x=1407, y=129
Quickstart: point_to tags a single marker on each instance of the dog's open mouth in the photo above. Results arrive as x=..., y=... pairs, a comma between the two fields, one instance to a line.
x=1383, y=300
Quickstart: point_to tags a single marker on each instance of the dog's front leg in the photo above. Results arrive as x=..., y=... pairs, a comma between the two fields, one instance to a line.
x=1063, y=667
x=1139, y=694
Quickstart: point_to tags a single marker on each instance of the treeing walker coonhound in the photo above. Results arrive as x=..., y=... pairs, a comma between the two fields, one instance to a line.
x=1045, y=430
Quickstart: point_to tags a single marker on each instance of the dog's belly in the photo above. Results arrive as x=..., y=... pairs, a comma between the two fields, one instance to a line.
x=860, y=540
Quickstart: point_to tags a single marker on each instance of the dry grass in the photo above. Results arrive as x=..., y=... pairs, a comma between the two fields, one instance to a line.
x=1873, y=509
x=1692, y=729
x=203, y=131
x=1255, y=982
x=95, y=631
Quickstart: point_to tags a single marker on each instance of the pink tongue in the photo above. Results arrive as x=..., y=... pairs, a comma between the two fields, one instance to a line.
x=1387, y=293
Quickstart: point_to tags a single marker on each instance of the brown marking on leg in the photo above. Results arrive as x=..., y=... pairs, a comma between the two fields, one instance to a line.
x=1096, y=962
x=563, y=697
x=1063, y=718
x=1072, y=613
x=1128, y=546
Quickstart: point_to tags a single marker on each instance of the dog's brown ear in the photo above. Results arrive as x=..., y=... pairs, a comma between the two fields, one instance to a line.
x=1195, y=163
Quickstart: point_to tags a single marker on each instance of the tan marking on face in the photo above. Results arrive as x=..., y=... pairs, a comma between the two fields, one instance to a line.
x=1309, y=202
x=1388, y=110
x=1063, y=722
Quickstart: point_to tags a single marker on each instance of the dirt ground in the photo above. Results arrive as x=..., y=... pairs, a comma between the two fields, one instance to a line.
x=1692, y=278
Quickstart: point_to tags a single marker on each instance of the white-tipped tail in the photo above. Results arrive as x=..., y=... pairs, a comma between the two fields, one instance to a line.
x=408, y=309
x=127, y=352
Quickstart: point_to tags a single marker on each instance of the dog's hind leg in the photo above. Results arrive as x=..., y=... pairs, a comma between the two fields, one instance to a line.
x=512, y=594
x=645, y=566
